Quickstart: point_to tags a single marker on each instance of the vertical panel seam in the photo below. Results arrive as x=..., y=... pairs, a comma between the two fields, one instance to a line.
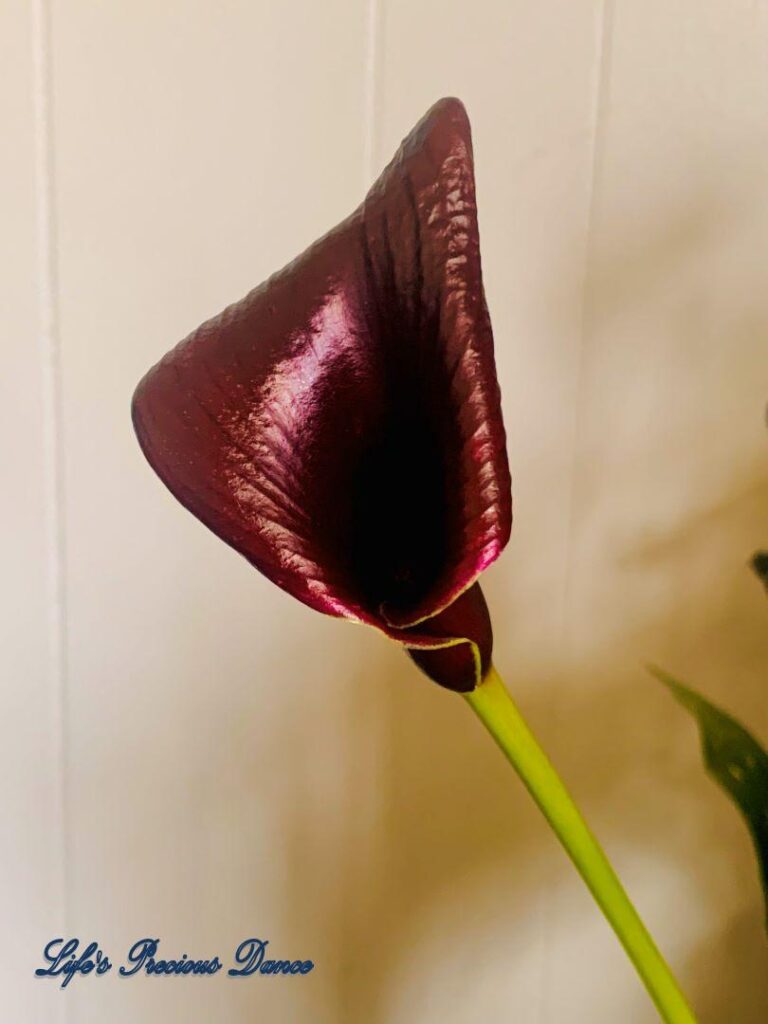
x=50, y=370
x=598, y=114
x=371, y=93
x=598, y=118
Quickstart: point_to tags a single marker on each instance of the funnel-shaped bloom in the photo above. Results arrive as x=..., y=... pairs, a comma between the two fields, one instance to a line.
x=341, y=427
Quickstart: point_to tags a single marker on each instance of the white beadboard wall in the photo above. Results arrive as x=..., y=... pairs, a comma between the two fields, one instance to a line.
x=185, y=752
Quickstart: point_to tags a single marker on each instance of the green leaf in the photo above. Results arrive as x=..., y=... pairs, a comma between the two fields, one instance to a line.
x=735, y=760
x=760, y=565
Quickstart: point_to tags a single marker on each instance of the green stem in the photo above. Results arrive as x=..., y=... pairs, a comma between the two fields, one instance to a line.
x=498, y=712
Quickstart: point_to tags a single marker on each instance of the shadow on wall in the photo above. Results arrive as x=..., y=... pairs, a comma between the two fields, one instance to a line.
x=453, y=827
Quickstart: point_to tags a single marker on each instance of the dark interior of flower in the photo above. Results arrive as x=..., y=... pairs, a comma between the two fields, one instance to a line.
x=398, y=538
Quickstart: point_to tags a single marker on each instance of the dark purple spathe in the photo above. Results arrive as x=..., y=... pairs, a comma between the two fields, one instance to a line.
x=341, y=425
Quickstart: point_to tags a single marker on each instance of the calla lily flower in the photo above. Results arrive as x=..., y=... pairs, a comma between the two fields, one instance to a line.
x=341, y=428
x=341, y=425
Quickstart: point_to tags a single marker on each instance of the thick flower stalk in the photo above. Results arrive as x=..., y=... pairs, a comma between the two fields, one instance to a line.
x=341, y=428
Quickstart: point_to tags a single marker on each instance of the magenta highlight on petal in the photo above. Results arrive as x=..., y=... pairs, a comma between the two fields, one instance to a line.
x=341, y=425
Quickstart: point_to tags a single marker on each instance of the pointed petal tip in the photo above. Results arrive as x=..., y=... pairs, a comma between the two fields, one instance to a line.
x=448, y=110
x=443, y=130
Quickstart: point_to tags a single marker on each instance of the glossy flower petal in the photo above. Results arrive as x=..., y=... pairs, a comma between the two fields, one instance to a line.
x=341, y=426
